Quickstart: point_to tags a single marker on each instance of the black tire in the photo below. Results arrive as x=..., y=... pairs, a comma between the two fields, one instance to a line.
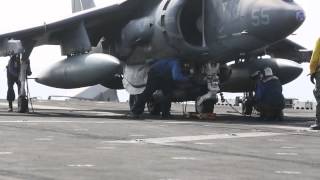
x=205, y=107
x=23, y=104
x=247, y=108
x=154, y=108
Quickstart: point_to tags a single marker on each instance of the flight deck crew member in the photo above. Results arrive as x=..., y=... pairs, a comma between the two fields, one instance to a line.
x=269, y=99
x=161, y=76
x=315, y=75
x=13, y=71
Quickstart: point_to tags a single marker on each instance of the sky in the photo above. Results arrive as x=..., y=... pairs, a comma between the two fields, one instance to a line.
x=17, y=14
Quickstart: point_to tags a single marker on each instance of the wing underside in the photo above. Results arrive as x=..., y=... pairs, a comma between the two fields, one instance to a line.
x=287, y=49
x=97, y=22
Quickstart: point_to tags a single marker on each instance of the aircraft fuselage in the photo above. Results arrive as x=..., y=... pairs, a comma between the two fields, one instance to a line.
x=215, y=30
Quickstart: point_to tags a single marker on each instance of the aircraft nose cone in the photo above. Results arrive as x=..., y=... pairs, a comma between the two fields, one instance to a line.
x=276, y=19
x=291, y=17
x=288, y=70
x=300, y=16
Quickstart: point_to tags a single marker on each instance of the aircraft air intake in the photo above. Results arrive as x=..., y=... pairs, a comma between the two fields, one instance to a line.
x=191, y=22
x=180, y=28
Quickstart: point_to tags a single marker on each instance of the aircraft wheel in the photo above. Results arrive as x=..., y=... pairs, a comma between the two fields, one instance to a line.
x=205, y=107
x=23, y=104
x=154, y=108
x=247, y=107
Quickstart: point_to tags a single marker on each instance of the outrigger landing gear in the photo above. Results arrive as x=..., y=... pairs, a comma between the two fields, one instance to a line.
x=24, y=71
x=23, y=99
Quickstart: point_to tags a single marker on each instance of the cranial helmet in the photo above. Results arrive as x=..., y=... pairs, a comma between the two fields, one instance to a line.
x=268, y=71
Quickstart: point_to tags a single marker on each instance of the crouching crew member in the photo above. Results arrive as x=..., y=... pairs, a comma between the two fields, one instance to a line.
x=269, y=100
x=162, y=76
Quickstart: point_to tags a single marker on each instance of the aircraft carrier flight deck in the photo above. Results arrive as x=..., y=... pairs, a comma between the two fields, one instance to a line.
x=94, y=140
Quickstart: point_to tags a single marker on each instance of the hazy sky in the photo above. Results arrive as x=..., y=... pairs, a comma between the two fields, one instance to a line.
x=15, y=14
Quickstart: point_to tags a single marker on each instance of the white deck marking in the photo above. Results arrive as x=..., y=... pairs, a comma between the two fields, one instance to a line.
x=204, y=143
x=276, y=140
x=81, y=165
x=184, y=158
x=137, y=135
x=6, y=153
x=99, y=113
x=43, y=139
x=105, y=148
x=288, y=172
x=293, y=128
x=286, y=154
x=288, y=147
x=180, y=122
x=207, y=125
x=167, y=140
x=81, y=130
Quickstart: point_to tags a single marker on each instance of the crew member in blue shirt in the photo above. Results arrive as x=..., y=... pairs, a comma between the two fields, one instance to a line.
x=268, y=96
x=162, y=76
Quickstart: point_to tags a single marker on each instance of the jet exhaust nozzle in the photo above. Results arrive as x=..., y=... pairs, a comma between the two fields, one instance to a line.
x=80, y=71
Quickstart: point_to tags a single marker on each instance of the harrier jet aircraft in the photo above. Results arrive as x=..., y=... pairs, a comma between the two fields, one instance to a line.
x=221, y=42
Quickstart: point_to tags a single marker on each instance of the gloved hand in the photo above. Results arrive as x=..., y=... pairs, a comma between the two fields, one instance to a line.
x=312, y=77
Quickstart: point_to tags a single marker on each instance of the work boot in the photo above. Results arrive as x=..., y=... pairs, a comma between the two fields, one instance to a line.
x=132, y=115
x=10, y=107
x=165, y=115
x=315, y=126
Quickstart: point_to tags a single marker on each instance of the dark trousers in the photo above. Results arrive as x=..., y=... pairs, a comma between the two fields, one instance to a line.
x=154, y=83
x=11, y=80
x=316, y=93
x=270, y=112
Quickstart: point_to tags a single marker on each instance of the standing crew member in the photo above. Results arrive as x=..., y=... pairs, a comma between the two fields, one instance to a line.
x=268, y=96
x=315, y=75
x=162, y=75
x=13, y=71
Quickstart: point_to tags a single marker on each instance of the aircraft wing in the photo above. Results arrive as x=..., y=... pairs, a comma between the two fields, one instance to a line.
x=97, y=22
x=288, y=49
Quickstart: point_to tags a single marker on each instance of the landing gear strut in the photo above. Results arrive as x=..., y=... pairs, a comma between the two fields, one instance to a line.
x=24, y=68
x=23, y=99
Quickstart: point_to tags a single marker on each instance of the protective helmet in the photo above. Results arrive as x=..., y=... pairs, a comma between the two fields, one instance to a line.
x=268, y=71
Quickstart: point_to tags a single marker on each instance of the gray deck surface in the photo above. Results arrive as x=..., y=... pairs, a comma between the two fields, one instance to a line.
x=92, y=140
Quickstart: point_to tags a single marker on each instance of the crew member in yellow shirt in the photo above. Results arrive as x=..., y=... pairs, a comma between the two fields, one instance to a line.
x=315, y=79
